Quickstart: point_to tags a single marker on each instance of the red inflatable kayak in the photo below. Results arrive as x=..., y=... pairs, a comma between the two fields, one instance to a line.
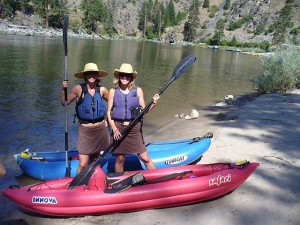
x=133, y=191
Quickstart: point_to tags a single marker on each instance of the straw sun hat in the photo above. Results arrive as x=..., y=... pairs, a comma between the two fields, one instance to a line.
x=125, y=68
x=91, y=67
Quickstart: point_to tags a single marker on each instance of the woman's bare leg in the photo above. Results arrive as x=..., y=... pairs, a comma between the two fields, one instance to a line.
x=83, y=162
x=146, y=159
x=119, y=165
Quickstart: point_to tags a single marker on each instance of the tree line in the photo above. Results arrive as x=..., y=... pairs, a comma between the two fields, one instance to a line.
x=154, y=17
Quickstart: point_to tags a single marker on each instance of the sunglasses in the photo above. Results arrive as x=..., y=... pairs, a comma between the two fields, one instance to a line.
x=125, y=75
x=89, y=74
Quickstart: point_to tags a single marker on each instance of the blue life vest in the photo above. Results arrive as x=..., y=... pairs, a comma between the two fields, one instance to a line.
x=124, y=103
x=90, y=109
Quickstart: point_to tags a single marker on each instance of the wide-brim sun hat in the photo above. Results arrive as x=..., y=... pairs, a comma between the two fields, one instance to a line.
x=125, y=68
x=91, y=67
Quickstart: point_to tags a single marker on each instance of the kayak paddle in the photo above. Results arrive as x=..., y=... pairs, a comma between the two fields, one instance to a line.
x=65, y=33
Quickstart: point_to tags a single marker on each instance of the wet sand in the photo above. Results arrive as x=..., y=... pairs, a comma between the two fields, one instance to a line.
x=264, y=129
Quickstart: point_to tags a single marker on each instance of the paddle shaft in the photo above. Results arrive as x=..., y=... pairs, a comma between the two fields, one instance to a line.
x=65, y=35
x=85, y=174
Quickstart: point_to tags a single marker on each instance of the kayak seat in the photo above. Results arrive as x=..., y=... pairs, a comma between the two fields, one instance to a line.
x=119, y=185
x=98, y=180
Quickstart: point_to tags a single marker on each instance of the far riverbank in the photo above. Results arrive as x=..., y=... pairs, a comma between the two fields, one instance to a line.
x=38, y=31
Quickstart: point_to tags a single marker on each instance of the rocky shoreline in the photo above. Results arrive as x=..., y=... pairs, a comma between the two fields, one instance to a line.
x=38, y=31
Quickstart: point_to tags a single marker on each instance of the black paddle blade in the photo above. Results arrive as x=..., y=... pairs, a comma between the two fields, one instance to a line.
x=183, y=65
x=84, y=176
x=65, y=30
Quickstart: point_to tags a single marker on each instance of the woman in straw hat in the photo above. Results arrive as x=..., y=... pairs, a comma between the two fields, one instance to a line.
x=123, y=101
x=93, y=135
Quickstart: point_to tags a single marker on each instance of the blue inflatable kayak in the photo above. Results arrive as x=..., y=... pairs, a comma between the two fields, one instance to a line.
x=52, y=165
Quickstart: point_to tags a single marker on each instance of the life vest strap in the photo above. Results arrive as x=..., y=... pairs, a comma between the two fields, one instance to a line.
x=91, y=121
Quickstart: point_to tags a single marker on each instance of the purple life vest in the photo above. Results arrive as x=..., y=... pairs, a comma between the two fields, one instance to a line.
x=124, y=103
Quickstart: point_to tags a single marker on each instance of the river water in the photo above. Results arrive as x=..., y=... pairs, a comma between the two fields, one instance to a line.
x=32, y=69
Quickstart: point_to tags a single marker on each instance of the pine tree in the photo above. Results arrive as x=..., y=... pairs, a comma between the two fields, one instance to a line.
x=145, y=16
x=95, y=11
x=219, y=33
x=205, y=4
x=193, y=23
x=227, y=5
x=281, y=25
x=233, y=41
x=51, y=10
x=156, y=18
x=171, y=14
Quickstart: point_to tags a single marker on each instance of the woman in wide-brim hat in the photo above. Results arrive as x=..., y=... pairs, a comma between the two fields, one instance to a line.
x=125, y=69
x=125, y=101
x=93, y=134
x=91, y=67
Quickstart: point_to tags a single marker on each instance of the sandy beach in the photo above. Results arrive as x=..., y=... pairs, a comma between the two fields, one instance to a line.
x=265, y=129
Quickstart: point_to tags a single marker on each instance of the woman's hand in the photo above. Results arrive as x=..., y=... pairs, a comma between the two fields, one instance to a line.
x=117, y=134
x=64, y=84
x=155, y=98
